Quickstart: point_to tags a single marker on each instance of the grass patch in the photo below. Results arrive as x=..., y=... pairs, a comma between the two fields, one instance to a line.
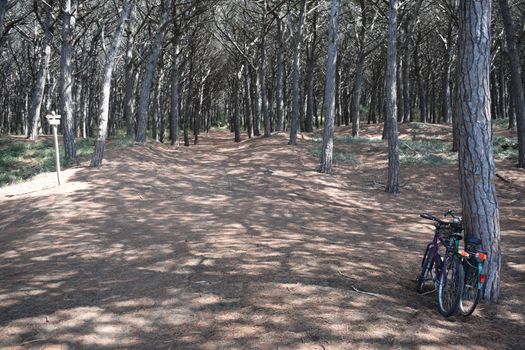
x=427, y=152
x=349, y=140
x=21, y=160
x=504, y=147
x=500, y=123
x=338, y=156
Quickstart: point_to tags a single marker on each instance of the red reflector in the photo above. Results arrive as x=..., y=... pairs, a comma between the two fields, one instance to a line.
x=463, y=253
x=482, y=278
x=482, y=256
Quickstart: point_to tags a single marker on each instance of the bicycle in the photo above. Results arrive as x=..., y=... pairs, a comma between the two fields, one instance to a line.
x=442, y=264
x=473, y=261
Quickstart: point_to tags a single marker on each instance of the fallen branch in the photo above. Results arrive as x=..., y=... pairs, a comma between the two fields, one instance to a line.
x=499, y=176
x=358, y=290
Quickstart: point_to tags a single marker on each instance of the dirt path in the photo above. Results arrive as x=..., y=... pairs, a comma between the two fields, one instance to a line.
x=224, y=246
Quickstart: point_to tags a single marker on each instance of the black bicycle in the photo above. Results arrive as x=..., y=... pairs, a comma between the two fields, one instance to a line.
x=473, y=260
x=442, y=267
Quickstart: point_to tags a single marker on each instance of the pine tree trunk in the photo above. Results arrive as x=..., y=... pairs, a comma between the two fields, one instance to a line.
x=147, y=82
x=392, y=185
x=105, y=90
x=38, y=90
x=279, y=102
x=66, y=78
x=175, y=95
x=518, y=95
x=129, y=86
x=329, y=99
x=296, y=75
x=247, y=100
x=310, y=69
x=476, y=162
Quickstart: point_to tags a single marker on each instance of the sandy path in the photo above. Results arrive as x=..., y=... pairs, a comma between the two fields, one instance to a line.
x=225, y=246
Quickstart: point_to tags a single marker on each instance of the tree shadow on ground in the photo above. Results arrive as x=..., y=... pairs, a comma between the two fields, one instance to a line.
x=235, y=246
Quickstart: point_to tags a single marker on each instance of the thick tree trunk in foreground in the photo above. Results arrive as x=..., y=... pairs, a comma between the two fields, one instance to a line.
x=329, y=98
x=296, y=75
x=392, y=185
x=476, y=162
x=66, y=78
x=518, y=96
x=105, y=90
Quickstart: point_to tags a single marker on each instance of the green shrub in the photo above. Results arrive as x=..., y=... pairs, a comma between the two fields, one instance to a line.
x=427, y=152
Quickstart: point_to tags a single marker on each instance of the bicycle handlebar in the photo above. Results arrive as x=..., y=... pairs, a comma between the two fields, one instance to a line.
x=439, y=221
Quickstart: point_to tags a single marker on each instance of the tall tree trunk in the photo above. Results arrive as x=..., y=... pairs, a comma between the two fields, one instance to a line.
x=310, y=68
x=476, y=162
x=355, y=104
x=329, y=99
x=66, y=78
x=263, y=89
x=296, y=74
x=175, y=94
x=43, y=66
x=236, y=105
x=256, y=98
x=129, y=85
x=446, y=107
x=247, y=104
x=279, y=102
x=105, y=89
x=392, y=185
x=144, y=98
x=518, y=96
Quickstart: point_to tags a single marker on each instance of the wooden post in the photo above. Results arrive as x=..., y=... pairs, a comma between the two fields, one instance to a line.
x=54, y=120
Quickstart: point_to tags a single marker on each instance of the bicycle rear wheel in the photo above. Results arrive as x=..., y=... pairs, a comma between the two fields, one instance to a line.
x=426, y=275
x=471, y=292
x=451, y=280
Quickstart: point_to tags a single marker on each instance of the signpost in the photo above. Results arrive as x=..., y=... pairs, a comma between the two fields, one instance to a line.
x=54, y=120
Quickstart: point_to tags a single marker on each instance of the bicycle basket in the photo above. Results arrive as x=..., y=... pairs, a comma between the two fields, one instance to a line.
x=445, y=231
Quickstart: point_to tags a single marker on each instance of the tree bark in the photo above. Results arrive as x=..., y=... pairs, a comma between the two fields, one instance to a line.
x=247, y=100
x=296, y=74
x=100, y=144
x=310, y=69
x=38, y=90
x=392, y=185
x=476, y=162
x=359, y=74
x=175, y=94
x=329, y=99
x=66, y=78
x=3, y=10
x=236, y=106
x=518, y=96
x=279, y=102
x=130, y=75
x=147, y=81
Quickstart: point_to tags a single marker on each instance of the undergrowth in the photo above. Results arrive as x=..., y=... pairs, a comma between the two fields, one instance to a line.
x=426, y=152
x=21, y=160
x=504, y=147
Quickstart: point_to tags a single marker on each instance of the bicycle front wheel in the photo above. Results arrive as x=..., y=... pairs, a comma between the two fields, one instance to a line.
x=450, y=289
x=471, y=292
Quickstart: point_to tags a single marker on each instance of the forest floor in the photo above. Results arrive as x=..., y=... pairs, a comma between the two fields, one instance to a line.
x=243, y=246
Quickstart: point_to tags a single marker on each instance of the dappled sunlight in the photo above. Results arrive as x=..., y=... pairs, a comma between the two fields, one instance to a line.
x=228, y=245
